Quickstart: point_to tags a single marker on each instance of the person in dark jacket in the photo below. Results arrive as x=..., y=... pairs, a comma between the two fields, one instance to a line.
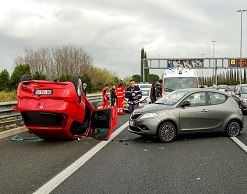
x=159, y=88
x=133, y=93
x=113, y=95
x=153, y=93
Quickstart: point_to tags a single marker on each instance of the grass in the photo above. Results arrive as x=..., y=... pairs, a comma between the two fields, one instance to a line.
x=7, y=96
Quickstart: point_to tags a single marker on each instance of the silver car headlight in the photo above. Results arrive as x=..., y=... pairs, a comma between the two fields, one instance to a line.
x=149, y=115
x=244, y=100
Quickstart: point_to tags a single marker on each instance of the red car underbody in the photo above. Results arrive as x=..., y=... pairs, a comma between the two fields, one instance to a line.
x=53, y=110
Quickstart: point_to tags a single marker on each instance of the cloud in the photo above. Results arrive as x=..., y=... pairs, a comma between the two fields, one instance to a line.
x=115, y=31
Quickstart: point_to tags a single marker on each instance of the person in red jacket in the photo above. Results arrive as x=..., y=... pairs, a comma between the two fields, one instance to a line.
x=105, y=97
x=120, y=93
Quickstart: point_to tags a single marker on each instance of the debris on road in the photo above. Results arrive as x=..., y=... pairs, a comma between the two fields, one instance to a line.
x=16, y=138
x=19, y=138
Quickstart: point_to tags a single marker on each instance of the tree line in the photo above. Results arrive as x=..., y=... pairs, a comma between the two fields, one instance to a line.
x=230, y=77
x=57, y=63
x=99, y=78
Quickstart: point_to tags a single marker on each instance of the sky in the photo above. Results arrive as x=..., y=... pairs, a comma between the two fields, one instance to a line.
x=113, y=32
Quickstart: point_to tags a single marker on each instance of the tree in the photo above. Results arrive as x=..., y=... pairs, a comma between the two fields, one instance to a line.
x=63, y=62
x=65, y=78
x=56, y=61
x=126, y=80
x=137, y=78
x=18, y=72
x=153, y=78
x=86, y=79
x=142, y=62
x=146, y=71
x=4, y=80
x=38, y=76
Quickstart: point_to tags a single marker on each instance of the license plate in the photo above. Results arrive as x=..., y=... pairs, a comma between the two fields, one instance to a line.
x=132, y=123
x=39, y=92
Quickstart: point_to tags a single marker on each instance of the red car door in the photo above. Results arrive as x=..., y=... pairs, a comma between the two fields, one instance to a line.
x=103, y=122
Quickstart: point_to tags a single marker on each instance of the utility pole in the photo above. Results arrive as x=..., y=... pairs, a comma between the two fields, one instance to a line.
x=202, y=70
x=214, y=70
x=241, y=39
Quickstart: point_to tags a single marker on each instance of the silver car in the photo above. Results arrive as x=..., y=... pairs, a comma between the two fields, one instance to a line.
x=188, y=111
x=240, y=95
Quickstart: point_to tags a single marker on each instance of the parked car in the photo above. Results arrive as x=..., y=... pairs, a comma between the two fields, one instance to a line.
x=145, y=96
x=60, y=110
x=146, y=86
x=230, y=89
x=240, y=95
x=146, y=89
x=188, y=111
x=222, y=88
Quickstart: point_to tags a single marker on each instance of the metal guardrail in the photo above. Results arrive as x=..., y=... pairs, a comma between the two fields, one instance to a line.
x=8, y=116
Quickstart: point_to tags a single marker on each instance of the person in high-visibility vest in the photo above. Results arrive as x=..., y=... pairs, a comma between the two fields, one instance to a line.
x=120, y=93
x=105, y=97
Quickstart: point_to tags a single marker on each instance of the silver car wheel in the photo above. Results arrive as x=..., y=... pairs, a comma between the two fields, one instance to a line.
x=167, y=132
x=233, y=129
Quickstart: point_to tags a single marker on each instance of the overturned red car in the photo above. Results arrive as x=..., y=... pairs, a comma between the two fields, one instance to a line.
x=59, y=110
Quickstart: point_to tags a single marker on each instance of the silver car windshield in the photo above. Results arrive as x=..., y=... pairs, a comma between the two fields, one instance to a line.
x=172, y=98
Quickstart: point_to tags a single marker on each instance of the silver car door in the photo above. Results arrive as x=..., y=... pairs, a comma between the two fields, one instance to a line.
x=220, y=110
x=196, y=115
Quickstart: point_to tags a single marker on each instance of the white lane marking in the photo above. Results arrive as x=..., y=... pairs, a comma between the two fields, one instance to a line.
x=241, y=144
x=59, y=178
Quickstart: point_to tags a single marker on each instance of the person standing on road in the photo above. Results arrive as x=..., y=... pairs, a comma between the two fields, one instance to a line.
x=120, y=92
x=159, y=88
x=113, y=95
x=105, y=96
x=84, y=86
x=133, y=93
x=153, y=93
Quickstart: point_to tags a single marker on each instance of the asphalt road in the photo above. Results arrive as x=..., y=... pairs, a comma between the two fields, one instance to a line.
x=205, y=163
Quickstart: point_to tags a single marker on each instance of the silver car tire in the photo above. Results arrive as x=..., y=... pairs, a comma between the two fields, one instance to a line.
x=167, y=132
x=233, y=128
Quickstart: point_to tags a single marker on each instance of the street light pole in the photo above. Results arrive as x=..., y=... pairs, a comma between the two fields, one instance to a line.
x=202, y=71
x=241, y=38
x=214, y=70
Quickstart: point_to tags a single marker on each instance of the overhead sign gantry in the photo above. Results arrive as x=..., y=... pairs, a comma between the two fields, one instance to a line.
x=195, y=63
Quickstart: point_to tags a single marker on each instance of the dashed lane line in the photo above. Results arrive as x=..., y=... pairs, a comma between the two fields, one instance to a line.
x=59, y=178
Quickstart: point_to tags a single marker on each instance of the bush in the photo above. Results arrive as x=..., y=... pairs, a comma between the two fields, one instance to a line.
x=7, y=96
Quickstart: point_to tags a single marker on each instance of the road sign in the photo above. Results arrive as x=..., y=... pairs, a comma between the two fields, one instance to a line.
x=233, y=62
x=242, y=62
x=186, y=63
